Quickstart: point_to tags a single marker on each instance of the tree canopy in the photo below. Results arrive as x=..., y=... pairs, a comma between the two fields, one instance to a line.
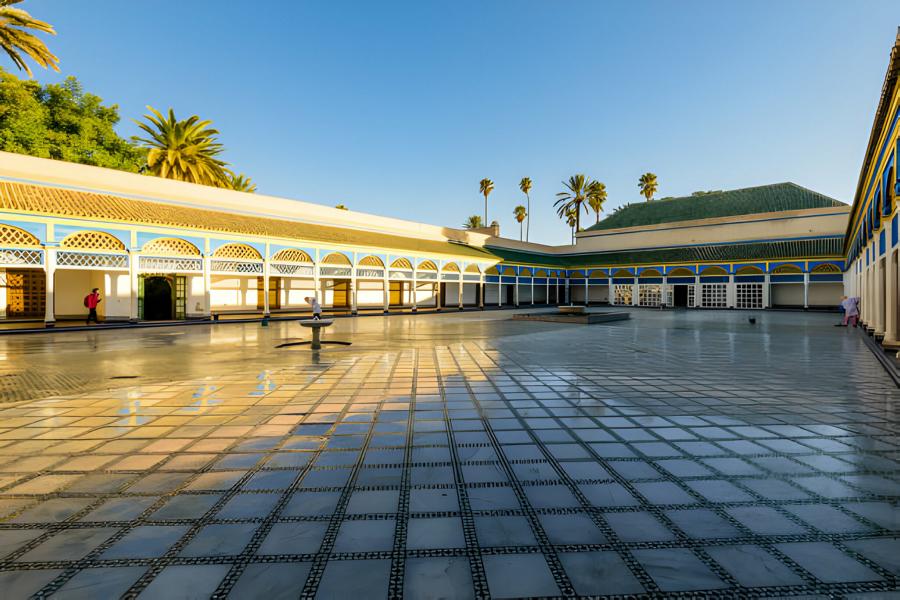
x=63, y=122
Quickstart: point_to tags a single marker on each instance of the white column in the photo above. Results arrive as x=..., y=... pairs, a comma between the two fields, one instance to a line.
x=50, y=281
x=767, y=291
x=587, y=290
x=635, y=290
x=698, y=301
x=532, y=289
x=437, y=292
x=386, y=288
x=481, y=291
x=516, y=292
x=806, y=290
x=353, y=307
x=134, y=261
x=611, y=294
x=266, y=288
x=879, y=296
x=730, y=293
x=415, y=293
x=891, y=301
x=664, y=296
x=460, y=290
x=317, y=283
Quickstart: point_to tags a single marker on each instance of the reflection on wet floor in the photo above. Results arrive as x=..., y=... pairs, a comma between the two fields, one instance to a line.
x=455, y=455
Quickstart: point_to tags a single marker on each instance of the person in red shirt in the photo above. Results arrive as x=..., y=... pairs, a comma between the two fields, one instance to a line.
x=91, y=301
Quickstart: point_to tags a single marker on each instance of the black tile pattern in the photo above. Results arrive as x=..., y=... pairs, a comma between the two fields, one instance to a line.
x=526, y=466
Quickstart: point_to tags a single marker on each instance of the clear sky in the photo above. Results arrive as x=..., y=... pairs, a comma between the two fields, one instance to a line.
x=400, y=108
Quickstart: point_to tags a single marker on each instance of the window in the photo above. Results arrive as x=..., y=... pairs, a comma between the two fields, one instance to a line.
x=713, y=295
x=623, y=293
x=749, y=295
x=649, y=295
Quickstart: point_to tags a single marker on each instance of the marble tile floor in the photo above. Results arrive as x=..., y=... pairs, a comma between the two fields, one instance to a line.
x=673, y=455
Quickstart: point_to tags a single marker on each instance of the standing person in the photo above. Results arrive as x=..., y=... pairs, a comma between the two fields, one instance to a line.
x=851, y=310
x=91, y=301
x=316, y=307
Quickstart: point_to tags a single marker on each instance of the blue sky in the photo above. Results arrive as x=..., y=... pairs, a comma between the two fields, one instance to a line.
x=400, y=108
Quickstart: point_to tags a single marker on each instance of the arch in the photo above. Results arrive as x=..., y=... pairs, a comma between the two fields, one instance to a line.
x=623, y=273
x=509, y=272
x=292, y=255
x=237, y=251
x=402, y=263
x=713, y=270
x=13, y=236
x=336, y=258
x=578, y=274
x=749, y=270
x=450, y=268
x=680, y=272
x=170, y=247
x=473, y=268
x=826, y=268
x=783, y=269
x=92, y=240
x=371, y=261
x=650, y=273
x=493, y=271
x=427, y=266
x=525, y=272
x=540, y=273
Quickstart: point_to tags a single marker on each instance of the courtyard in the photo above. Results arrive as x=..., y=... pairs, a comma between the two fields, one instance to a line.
x=451, y=455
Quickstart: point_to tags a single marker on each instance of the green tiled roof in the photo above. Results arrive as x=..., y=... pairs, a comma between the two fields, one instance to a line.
x=777, y=197
x=809, y=248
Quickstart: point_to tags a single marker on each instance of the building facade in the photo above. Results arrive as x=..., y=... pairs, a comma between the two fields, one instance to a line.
x=871, y=242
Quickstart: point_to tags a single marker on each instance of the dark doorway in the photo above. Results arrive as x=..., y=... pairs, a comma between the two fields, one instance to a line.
x=510, y=294
x=681, y=295
x=158, y=302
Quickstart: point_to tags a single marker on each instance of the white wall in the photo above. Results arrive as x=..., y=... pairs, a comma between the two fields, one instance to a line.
x=599, y=293
x=470, y=294
x=73, y=285
x=369, y=294
x=825, y=294
x=293, y=292
x=452, y=293
x=233, y=292
x=525, y=293
x=490, y=294
x=425, y=294
x=787, y=294
x=540, y=293
x=577, y=293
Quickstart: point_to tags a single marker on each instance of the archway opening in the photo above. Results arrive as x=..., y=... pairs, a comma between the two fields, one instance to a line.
x=159, y=302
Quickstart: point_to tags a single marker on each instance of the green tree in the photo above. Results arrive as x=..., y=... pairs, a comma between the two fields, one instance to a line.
x=485, y=186
x=596, y=197
x=18, y=42
x=520, y=213
x=183, y=150
x=648, y=185
x=62, y=122
x=241, y=183
x=473, y=222
x=572, y=221
x=573, y=198
x=525, y=186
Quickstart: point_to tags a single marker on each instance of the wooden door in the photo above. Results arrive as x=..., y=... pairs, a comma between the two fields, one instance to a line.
x=25, y=293
x=396, y=293
x=341, y=297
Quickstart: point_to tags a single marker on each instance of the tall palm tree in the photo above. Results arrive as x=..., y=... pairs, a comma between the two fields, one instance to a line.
x=486, y=186
x=18, y=42
x=596, y=197
x=241, y=183
x=573, y=198
x=183, y=150
x=473, y=222
x=525, y=186
x=648, y=185
x=520, y=213
x=572, y=221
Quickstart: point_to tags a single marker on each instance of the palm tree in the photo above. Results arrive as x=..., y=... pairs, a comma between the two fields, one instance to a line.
x=241, y=183
x=520, y=213
x=486, y=186
x=473, y=222
x=525, y=186
x=16, y=41
x=572, y=221
x=573, y=198
x=647, y=184
x=596, y=197
x=183, y=150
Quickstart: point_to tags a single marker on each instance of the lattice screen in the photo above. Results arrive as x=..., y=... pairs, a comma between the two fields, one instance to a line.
x=826, y=269
x=13, y=236
x=401, y=263
x=787, y=269
x=92, y=240
x=237, y=252
x=336, y=258
x=292, y=255
x=371, y=261
x=170, y=247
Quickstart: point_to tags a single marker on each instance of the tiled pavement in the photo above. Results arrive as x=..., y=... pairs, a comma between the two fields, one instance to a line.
x=671, y=455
